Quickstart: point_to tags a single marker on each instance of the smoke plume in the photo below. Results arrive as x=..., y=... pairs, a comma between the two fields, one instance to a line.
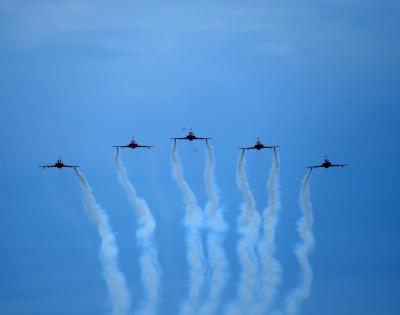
x=303, y=250
x=115, y=280
x=216, y=229
x=193, y=223
x=249, y=230
x=149, y=263
x=271, y=276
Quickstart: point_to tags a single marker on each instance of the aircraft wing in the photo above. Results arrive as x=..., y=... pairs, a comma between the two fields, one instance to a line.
x=145, y=146
x=120, y=146
x=179, y=138
x=314, y=166
x=71, y=166
x=247, y=148
x=200, y=138
x=46, y=166
x=185, y=138
x=339, y=165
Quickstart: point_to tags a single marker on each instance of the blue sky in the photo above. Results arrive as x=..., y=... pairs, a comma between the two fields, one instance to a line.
x=316, y=77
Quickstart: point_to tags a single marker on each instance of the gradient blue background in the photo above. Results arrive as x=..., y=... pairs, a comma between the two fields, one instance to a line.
x=316, y=77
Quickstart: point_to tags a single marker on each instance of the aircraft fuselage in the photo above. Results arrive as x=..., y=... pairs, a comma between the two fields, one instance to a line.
x=326, y=164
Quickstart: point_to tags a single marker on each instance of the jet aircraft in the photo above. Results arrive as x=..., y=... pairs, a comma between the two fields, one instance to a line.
x=133, y=145
x=259, y=146
x=326, y=164
x=59, y=164
x=190, y=136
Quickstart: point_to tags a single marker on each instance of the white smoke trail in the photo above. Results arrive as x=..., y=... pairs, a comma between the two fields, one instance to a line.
x=193, y=223
x=303, y=249
x=115, y=280
x=145, y=234
x=249, y=229
x=271, y=276
x=216, y=228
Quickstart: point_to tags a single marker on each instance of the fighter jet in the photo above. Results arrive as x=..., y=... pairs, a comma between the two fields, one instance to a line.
x=133, y=145
x=59, y=164
x=326, y=164
x=259, y=146
x=190, y=136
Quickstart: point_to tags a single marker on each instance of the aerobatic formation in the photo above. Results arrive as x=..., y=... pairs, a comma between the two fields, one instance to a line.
x=208, y=274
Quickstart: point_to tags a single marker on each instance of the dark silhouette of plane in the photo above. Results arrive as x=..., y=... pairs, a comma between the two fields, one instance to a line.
x=326, y=164
x=259, y=146
x=190, y=136
x=133, y=145
x=59, y=164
